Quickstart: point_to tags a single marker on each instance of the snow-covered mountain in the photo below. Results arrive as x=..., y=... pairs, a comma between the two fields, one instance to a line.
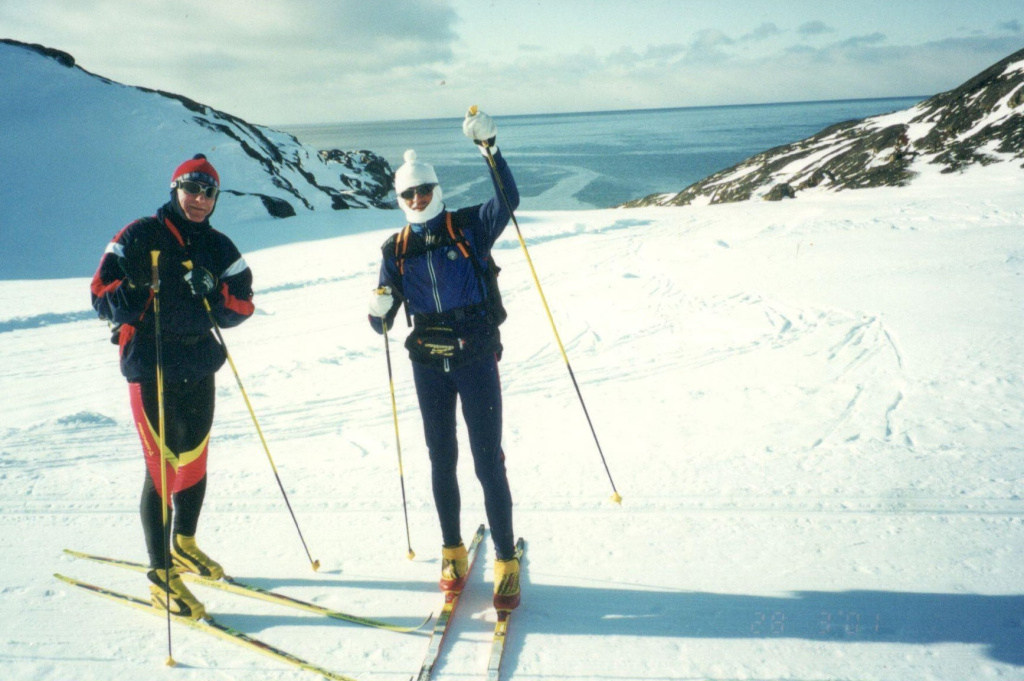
x=980, y=122
x=83, y=155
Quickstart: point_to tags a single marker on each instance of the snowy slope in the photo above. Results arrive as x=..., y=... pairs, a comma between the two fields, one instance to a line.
x=980, y=122
x=80, y=153
x=812, y=409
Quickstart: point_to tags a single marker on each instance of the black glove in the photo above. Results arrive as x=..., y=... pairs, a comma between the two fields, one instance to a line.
x=137, y=265
x=200, y=281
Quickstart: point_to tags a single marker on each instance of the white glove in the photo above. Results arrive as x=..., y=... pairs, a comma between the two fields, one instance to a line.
x=480, y=128
x=381, y=301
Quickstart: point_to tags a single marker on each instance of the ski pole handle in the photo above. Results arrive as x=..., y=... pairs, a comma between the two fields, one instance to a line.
x=154, y=282
x=206, y=303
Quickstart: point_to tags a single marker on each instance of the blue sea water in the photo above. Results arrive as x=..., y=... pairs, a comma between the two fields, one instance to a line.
x=596, y=160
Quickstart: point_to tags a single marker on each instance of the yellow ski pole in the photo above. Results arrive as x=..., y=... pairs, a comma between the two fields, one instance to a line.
x=238, y=379
x=616, y=497
x=155, y=286
x=398, y=442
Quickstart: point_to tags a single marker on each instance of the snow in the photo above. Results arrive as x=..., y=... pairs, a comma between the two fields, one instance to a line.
x=1002, y=110
x=812, y=409
x=904, y=117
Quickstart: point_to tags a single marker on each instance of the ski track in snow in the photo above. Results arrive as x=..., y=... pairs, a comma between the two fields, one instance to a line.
x=820, y=463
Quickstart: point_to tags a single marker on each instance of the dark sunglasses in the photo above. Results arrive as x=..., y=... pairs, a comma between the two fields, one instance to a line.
x=422, y=190
x=190, y=187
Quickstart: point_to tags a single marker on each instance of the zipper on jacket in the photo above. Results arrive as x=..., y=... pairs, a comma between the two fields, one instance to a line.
x=433, y=281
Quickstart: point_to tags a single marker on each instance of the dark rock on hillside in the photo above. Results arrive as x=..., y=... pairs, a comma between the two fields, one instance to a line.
x=376, y=173
x=979, y=122
x=62, y=58
x=276, y=161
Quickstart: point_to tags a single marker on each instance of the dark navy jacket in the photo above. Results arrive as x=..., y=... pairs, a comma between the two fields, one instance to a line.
x=442, y=281
x=189, y=350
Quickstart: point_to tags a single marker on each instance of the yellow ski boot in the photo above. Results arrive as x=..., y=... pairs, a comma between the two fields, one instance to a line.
x=506, y=584
x=454, y=568
x=183, y=603
x=189, y=558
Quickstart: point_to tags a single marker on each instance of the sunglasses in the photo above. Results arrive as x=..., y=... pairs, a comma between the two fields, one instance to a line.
x=190, y=187
x=423, y=190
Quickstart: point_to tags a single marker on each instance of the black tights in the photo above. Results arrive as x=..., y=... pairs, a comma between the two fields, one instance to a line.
x=187, y=505
x=478, y=387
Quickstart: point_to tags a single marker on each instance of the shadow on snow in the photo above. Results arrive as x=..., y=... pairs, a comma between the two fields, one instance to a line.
x=993, y=621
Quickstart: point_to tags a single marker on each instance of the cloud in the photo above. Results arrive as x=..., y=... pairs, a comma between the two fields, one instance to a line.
x=814, y=28
x=220, y=53
x=336, y=60
x=762, y=32
x=863, y=41
x=713, y=70
x=709, y=46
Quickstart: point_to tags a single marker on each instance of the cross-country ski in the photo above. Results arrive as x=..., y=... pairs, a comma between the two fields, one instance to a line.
x=243, y=588
x=504, y=618
x=207, y=625
x=444, y=620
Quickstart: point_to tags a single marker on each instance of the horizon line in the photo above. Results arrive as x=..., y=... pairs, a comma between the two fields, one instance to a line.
x=598, y=112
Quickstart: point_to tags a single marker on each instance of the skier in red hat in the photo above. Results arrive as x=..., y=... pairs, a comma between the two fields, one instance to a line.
x=195, y=263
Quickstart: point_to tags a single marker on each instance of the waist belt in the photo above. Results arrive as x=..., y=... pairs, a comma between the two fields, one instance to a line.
x=451, y=316
x=187, y=339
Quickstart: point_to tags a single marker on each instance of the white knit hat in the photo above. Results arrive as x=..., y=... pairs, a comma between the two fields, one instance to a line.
x=413, y=173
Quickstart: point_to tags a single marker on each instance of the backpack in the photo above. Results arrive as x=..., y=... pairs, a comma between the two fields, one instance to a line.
x=399, y=247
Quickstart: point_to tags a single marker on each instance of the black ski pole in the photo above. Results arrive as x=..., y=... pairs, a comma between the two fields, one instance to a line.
x=166, y=530
x=238, y=379
x=616, y=497
x=398, y=442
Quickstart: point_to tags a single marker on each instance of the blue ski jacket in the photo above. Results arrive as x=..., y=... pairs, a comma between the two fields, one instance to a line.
x=442, y=282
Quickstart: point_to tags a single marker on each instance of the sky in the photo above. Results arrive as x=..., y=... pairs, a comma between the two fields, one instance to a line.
x=279, y=62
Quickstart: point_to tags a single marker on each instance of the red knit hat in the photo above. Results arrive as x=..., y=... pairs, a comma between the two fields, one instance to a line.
x=196, y=169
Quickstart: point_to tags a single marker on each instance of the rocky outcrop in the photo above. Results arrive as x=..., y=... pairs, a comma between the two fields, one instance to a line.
x=368, y=174
x=980, y=122
x=284, y=164
x=62, y=58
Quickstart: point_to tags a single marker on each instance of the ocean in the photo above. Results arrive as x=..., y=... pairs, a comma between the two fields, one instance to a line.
x=596, y=160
